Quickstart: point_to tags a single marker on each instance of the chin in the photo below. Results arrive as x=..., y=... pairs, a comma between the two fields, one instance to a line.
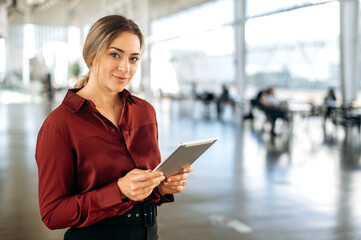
x=121, y=88
x=118, y=87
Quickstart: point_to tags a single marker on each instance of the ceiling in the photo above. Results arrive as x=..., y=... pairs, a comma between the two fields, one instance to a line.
x=78, y=12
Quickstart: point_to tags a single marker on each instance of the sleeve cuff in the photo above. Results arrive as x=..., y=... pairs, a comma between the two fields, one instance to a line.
x=163, y=199
x=109, y=195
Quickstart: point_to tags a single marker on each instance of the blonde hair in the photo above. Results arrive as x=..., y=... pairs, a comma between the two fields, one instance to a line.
x=101, y=34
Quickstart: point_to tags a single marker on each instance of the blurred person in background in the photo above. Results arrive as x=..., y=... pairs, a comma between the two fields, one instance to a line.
x=95, y=152
x=272, y=107
x=330, y=102
x=224, y=98
x=255, y=102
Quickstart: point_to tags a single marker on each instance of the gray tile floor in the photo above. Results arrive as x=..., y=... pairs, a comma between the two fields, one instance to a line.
x=301, y=185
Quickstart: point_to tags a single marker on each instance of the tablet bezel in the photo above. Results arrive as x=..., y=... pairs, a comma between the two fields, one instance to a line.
x=174, y=163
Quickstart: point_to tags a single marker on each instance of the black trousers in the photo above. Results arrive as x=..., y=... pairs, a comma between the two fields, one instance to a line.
x=139, y=223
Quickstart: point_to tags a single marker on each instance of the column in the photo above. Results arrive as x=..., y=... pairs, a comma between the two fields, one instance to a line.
x=143, y=8
x=3, y=20
x=349, y=10
x=240, y=54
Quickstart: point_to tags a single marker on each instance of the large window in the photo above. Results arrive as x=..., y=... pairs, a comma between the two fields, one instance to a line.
x=263, y=7
x=289, y=44
x=194, y=48
x=296, y=49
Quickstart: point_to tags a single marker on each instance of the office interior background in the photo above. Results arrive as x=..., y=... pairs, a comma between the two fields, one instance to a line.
x=302, y=183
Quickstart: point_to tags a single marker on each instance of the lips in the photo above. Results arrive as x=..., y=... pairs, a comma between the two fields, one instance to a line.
x=120, y=78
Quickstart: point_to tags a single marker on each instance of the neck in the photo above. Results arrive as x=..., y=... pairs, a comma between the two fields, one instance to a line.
x=100, y=98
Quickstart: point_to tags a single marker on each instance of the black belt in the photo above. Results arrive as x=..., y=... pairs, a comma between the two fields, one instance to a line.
x=141, y=214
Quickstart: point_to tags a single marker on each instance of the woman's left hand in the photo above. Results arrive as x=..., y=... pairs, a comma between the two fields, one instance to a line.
x=175, y=183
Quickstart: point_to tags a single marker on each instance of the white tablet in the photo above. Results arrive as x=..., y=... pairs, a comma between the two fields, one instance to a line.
x=184, y=155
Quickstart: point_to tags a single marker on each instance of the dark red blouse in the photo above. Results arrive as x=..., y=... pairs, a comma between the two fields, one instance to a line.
x=81, y=154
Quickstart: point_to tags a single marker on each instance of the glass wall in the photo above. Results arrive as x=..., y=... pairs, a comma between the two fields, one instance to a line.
x=193, y=49
x=289, y=45
x=295, y=49
x=264, y=7
x=33, y=51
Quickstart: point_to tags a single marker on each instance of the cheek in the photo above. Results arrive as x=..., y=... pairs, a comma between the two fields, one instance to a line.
x=134, y=69
x=106, y=69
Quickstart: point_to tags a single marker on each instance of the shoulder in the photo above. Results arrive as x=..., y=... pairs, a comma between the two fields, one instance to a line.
x=142, y=104
x=58, y=120
x=141, y=111
x=59, y=114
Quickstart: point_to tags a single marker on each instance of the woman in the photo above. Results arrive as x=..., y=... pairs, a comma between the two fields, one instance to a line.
x=95, y=151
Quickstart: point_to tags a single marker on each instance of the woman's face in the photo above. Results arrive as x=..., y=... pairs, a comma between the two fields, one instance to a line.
x=114, y=67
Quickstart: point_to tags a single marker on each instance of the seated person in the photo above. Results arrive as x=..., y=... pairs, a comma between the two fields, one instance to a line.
x=206, y=97
x=271, y=107
x=330, y=102
x=255, y=103
x=222, y=99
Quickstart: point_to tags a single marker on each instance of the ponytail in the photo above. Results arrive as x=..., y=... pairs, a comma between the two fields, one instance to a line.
x=82, y=81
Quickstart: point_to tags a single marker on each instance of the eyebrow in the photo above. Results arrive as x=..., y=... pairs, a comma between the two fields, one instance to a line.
x=120, y=50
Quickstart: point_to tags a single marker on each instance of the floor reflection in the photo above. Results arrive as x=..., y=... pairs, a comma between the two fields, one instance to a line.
x=301, y=184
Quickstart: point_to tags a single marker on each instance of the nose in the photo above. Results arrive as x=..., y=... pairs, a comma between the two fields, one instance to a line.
x=123, y=65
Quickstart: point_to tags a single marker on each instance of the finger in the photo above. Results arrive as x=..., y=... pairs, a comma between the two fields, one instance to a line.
x=145, y=176
x=175, y=189
x=136, y=184
x=159, y=172
x=176, y=183
x=150, y=183
x=177, y=177
x=157, y=176
x=141, y=171
x=187, y=169
x=140, y=191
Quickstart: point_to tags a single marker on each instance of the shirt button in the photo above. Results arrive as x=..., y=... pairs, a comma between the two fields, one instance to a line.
x=113, y=130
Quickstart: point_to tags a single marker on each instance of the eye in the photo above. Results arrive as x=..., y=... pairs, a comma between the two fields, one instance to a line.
x=134, y=59
x=114, y=55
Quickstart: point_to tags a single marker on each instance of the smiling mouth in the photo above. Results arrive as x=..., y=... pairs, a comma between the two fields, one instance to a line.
x=121, y=79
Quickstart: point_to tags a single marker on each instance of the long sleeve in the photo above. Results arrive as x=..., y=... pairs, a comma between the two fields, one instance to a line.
x=161, y=199
x=81, y=155
x=60, y=205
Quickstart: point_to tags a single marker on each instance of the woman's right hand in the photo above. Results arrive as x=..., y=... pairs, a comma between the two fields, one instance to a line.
x=138, y=184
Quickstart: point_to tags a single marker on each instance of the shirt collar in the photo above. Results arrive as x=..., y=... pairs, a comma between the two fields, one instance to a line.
x=74, y=102
x=125, y=95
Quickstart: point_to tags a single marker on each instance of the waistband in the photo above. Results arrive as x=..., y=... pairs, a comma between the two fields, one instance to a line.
x=141, y=214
